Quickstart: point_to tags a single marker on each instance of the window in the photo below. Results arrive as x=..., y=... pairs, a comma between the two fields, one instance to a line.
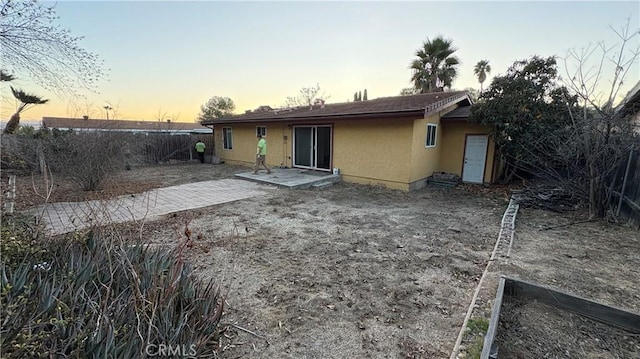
x=227, y=138
x=261, y=131
x=431, y=135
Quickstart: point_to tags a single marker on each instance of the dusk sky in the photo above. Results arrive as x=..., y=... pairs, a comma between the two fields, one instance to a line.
x=167, y=58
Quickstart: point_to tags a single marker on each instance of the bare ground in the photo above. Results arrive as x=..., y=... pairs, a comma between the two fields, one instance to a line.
x=358, y=271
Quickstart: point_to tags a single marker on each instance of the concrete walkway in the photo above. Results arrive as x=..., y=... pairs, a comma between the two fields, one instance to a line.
x=64, y=217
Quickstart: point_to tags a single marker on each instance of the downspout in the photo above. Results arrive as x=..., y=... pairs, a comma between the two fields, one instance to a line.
x=284, y=148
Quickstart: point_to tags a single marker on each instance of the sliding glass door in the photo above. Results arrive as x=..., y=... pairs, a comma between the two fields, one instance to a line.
x=312, y=147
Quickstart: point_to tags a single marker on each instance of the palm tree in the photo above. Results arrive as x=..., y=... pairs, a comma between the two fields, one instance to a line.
x=25, y=100
x=5, y=76
x=436, y=67
x=481, y=70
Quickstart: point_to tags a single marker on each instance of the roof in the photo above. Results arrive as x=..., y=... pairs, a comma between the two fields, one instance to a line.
x=122, y=125
x=414, y=105
x=631, y=102
x=458, y=113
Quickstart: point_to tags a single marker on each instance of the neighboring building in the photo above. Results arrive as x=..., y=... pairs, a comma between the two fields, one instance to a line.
x=397, y=142
x=35, y=124
x=630, y=107
x=86, y=124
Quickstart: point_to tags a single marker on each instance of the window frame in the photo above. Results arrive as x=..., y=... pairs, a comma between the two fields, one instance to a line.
x=263, y=133
x=227, y=143
x=433, y=137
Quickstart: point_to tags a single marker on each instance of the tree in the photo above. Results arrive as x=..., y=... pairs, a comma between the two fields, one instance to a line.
x=32, y=43
x=216, y=107
x=436, y=67
x=306, y=97
x=565, y=133
x=481, y=70
x=408, y=91
x=26, y=100
x=600, y=140
x=520, y=108
x=359, y=96
x=474, y=94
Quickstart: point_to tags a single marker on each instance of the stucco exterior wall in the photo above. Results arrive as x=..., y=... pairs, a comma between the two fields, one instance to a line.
x=452, y=153
x=245, y=141
x=388, y=152
x=374, y=151
x=424, y=160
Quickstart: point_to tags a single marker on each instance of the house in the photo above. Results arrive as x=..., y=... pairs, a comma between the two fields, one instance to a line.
x=398, y=142
x=133, y=126
x=630, y=107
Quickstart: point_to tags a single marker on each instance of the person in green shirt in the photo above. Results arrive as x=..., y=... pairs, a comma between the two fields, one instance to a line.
x=261, y=153
x=200, y=146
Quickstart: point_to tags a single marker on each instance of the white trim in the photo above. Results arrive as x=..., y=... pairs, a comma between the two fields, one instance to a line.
x=224, y=138
x=265, y=130
x=435, y=136
x=293, y=146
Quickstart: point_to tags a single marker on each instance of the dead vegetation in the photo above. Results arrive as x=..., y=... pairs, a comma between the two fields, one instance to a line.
x=362, y=271
x=529, y=329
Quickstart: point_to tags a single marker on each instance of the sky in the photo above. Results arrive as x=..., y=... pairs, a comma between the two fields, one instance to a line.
x=167, y=58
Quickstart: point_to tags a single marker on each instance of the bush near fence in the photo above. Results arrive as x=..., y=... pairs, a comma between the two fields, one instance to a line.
x=20, y=153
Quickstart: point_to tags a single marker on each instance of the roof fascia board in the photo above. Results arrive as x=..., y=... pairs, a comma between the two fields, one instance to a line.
x=366, y=116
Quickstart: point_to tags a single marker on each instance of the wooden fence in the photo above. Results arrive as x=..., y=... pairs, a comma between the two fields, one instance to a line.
x=629, y=190
x=19, y=152
x=162, y=148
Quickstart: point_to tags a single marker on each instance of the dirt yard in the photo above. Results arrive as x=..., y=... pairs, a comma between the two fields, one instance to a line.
x=363, y=272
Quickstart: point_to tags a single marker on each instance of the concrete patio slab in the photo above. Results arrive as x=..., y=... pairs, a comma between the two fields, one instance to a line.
x=294, y=178
x=65, y=217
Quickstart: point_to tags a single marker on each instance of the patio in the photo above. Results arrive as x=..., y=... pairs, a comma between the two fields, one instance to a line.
x=294, y=178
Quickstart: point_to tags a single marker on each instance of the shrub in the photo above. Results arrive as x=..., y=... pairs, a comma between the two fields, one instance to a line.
x=17, y=244
x=95, y=297
x=87, y=158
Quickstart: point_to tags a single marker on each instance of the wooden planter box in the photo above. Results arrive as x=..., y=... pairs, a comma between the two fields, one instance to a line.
x=510, y=287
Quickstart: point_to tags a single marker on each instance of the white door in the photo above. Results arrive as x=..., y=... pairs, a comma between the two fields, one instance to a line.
x=475, y=156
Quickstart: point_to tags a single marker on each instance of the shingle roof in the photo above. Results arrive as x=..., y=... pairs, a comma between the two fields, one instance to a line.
x=421, y=103
x=458, y=113
x=121, y=125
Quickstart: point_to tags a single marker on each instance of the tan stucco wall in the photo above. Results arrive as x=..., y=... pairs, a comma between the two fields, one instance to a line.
x=452, y=153
x=374, y=151
x=388, y=152
x=424, y=160
x=245, y=141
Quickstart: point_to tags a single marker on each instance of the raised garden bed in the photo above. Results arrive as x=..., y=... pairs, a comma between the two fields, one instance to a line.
x=532, y=321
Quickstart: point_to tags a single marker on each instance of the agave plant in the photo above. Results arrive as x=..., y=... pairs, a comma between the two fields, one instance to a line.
x=98, y=297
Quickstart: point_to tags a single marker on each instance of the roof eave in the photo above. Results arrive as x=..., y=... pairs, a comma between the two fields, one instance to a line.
x=426, y=111
x=361, y=116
